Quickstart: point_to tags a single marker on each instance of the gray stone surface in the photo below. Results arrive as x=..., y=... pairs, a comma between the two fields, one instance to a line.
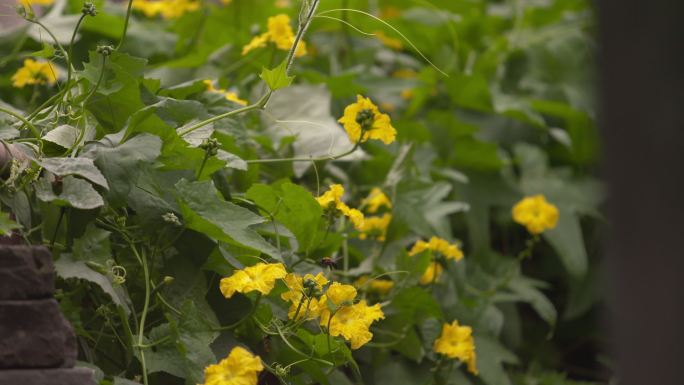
x=35, y=334
x=26, y=273
x=77, y=376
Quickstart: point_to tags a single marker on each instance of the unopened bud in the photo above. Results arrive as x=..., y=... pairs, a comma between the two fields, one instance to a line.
x=105, y=50
x=89, y=9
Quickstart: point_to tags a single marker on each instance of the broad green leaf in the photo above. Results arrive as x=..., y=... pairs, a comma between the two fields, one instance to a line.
x=83, y=167
x=491, y=356
x=67, y=267
x=75, y=193
x=277, y=78
x=188, y=350
x=121, y=162
x=206, y=212
x=93, y=245
x=7, y=224
x=525, y=288
x=294, y=207
x=64, y=136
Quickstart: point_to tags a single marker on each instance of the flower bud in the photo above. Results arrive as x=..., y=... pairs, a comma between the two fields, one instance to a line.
x=89, y=9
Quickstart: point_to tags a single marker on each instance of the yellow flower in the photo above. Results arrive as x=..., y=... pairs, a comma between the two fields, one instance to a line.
x=312, y=307
x=362, y=121
x=239, y=368
x=536, y=214
x=34, y=72
x=380, y=286
x=28, y=3
x=260, y=277
x=280, y=33
x=404, y=73
x=229, y=95
x=389, y=42
x=407, y=94
x=353, y=322
x=333, y=199
x=389, y=12
x=168, y=9
x=376, y=226
x=375, y=200
x=457, y=342
x=438, y=245
x=431, y=274
x=339, y=293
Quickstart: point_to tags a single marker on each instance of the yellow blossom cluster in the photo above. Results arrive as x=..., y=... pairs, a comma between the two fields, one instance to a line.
x=260, y=277
x=376, y=226
x=376, y=200
x=297, y=296
x=380, y=286
x=363, y=120
x=457, y=342
x=279, y=33
x=389, y=42
x=350, y=320
x=33, y=73
x=28, y=3
x=229, y=95
x=333, y=199
x=436, y=245
x=239, y=368
x=536, y=214
x=168, y=9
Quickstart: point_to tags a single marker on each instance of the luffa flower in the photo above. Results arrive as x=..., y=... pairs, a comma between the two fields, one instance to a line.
x=362, y=121
x=240, y=368
x=536, y=214
x=34, y=72
x=457, y=342
x=279, y=33
x=332, y=199
x=260, y=277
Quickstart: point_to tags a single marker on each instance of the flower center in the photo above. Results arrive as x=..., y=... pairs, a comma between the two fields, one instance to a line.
x=365, y=119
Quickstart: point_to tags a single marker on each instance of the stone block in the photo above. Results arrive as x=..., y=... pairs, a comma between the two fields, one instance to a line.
x=26, y=273
x=77, y=376
x=35, y=334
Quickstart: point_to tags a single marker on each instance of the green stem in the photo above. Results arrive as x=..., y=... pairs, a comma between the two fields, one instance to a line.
x=70, y=68
x=30, y=125
x=304, y=159
x=303, y=26
x=258, y=105
x=204, y=162
x=125, y=29
x=54, y=38
x=127, y=330
x=59, y=222
x=142, y=257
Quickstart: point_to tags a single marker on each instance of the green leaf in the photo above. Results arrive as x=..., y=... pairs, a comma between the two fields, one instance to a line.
x=82, y=167
x=64, y=136
x=121, y=162
x=7, y=224
x=48, y=51
x=93, y=245
x=206, y=212
x=491, y=356
x=67, y=267
x=416, y=304
x=188, y=351
x=525, y=288
x=75, y=193
x=277, y=78
x=294, y=207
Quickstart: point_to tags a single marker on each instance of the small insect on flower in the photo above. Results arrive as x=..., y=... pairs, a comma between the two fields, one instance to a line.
x=536, y=214
x=34, y=72
x=362, y=121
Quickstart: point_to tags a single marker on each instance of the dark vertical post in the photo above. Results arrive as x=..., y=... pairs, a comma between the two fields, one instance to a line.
x=37, y=344
x=642, y=118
